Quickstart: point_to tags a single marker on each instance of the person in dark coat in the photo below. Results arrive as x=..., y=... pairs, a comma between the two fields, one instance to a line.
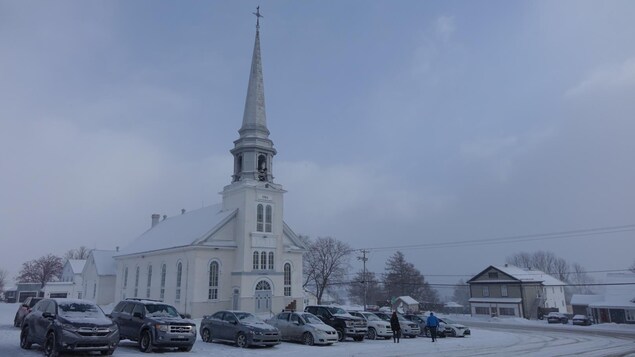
x=395, y=327
x=432, y=323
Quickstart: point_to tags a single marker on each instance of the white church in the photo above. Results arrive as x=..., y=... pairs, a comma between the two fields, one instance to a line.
x=237, y=254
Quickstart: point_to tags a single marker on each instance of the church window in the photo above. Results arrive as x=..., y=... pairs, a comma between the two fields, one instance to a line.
x=256, y=255
x=212, y=293
x=263, y=260
x=263, y=286
x=268, y=219
x=262, y=168
x=287, y=279
x=163, y=271
x=94, y=289
x=270, y=260
x=179, y=271
x=136, y=283
x=259, y=218
x=149, y=281
x=125, y=278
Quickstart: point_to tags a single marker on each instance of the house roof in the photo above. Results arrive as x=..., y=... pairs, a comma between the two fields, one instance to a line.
x=77, y=265
x=104, y=262
x=619, y=293
x=496, y=300
x=581, y=299
x=186, y=229
x=519, y=274
x=408, y=300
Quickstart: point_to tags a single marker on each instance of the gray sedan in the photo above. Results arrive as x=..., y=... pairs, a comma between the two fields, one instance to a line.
x=240, y=327
x=304, y=327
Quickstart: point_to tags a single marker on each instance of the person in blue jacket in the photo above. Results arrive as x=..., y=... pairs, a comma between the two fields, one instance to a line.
x=432, y=323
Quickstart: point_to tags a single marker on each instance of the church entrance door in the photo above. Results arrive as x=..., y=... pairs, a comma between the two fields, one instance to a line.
x=262, y=296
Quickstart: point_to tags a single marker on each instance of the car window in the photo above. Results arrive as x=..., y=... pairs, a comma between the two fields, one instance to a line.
x=321, y=312
x=283, y=316
x=119, y=306
x=41, y=306
x=50, y=307
x=218, y=315
x=295, y=318
x=34, y=301
x=138, y=308
x=127, y=308
x=337, y=311
x=372, y=317
x=247, y=317
x=229, y=318
x=311, y=319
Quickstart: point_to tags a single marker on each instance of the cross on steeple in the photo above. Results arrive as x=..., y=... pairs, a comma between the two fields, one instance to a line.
x=258, y=16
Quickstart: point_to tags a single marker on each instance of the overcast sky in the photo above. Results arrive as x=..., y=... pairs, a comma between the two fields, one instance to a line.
x=397, y=123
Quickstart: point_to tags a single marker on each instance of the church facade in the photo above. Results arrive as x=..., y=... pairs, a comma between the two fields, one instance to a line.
x=238, y=254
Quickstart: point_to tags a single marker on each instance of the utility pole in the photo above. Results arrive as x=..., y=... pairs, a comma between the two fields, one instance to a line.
x=364, y=281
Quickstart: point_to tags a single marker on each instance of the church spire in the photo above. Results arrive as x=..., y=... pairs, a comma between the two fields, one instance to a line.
x=253, y=151
x=254, y=117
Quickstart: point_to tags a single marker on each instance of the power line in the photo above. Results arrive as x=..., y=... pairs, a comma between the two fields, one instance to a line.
x=530, y=272
x=515, y=238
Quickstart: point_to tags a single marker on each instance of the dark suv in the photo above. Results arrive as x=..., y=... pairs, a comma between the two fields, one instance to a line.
x=69, y=325
x=153, y=324
x=344, y=323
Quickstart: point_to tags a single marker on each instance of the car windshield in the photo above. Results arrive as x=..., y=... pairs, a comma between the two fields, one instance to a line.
x=337, y=311
x=448, y=321
x=372, y=317
x=157, y=310
x=246, y=317
x=311, y=319
x=79, y=309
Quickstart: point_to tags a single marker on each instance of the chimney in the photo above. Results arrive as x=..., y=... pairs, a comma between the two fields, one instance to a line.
x=182, y=210
x=117, y=248
x=155, y=219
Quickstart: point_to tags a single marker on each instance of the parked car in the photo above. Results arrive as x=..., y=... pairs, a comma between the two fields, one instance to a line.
x=581, y=320
x=303, y=327
x=153, y=324
x=376, y=326
x=408, y=328
x=557, y=318
x=454, y=329
x=344, y=323
x=24, y=310
x=420, y=319
x=243, y=328
x=69, y=325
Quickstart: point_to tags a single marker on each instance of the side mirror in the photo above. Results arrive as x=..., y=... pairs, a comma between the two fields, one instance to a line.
x=48, y=315
x=25, y=305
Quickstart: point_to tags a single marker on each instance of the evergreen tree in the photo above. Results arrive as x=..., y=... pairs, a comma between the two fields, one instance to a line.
x=403, y=279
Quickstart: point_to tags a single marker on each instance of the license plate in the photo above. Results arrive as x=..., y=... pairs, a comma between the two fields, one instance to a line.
x=181, y=336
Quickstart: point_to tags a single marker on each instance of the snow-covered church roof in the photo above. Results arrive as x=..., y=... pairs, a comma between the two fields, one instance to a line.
x=179, y=231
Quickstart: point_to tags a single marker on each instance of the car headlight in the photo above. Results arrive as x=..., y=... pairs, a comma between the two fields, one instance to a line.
x=68, y=327
x=163, y=328
x=349, y=323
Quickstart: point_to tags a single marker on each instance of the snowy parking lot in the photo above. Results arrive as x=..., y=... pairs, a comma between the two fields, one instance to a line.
x=489, y=338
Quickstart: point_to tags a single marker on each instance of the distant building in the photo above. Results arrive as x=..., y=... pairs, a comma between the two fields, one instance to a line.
x=511, y=291
x=617, y=303
x=99, y=276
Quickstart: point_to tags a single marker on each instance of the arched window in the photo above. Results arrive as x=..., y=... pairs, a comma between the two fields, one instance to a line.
x=179, y=272
x=287, y=279
x=263, y=260
x=256, y=255
x=149, y=281
x=270, y=260
x=163, y=272
x=212, y=293
x=268, y=218
x=125, y=278
x=263, y=285
x=259, y=218
x=136, y=283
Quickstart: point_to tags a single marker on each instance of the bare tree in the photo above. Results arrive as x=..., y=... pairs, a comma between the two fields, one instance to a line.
x=579, y=277
x=80, y=253
x=3, y=279
x=41, y=270
x=325, y=263
x=541, y=260
x=367, y=286
x=461, y=294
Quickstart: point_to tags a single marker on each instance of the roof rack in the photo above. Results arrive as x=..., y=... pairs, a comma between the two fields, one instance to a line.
x=142, y=299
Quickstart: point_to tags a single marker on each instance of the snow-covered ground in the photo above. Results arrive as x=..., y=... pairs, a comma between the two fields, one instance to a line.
x=490, y=337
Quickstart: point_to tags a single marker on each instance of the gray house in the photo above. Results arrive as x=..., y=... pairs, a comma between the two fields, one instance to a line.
x=511, y=291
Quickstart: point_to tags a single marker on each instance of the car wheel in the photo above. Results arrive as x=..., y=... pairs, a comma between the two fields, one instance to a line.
x=16, y=321
x=107, y=353
x=340, y=335
x=241, y=340
x=24, y=338
x=308, y=339
x=50, y=346
x=358, y=338
x=372, y=334
x=145, y=342
x=185, y=349
x=206, y=335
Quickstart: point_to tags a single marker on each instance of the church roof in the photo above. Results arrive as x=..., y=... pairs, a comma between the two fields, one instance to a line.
x=179, y=231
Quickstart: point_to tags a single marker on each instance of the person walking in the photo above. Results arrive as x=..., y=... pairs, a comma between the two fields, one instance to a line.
x=432, y=323
x=395, y=327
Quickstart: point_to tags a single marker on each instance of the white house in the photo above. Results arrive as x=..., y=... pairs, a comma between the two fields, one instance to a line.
x=99, y=276
x=72, y=273
x=237, y=254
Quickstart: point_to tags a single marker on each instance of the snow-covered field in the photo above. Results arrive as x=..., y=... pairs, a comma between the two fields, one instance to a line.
x=489, y=338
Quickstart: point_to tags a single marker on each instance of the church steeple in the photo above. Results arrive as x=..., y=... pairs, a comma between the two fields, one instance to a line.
x=253, y=151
